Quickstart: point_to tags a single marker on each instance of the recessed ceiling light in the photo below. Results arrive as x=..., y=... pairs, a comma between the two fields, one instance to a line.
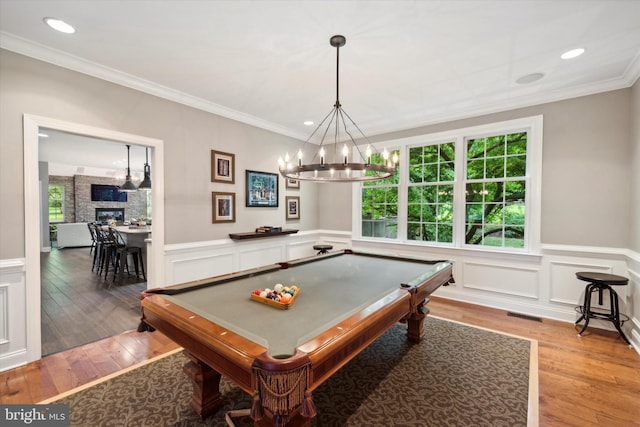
x=308, y=122
x=572, y=53
x=530, y=78
x=59, y=25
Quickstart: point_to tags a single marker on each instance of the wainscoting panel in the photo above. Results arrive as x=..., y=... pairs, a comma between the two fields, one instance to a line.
x=202, y=266
x=13, y=326
x=187, y=262
x=4, y=313
x=255, y=256
x=300, y=249
x=503, y=279
x=565, y=288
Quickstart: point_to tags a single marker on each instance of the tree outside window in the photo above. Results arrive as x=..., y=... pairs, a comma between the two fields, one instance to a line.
x=495, y=190
x=380, y=204
x=430, y=193
x=56, y=203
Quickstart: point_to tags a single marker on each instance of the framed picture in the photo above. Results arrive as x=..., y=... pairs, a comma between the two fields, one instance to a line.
x=222, y=167
x=293, y=207
x=293, y=183
x=224, y=207
x=262, y=189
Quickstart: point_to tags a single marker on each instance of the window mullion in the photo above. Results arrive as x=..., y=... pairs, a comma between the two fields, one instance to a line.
x=459, y=188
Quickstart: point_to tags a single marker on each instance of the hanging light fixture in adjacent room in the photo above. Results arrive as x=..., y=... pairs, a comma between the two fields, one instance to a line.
x=128, y=185
x=342, y=165
x=146, y=182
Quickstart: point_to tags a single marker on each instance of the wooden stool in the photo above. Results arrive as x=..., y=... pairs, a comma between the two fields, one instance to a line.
x=599, y=282
x=322, y=249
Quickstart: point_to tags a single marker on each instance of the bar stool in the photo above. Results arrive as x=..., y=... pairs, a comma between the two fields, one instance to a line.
x=122, y=251
x=599, y=282
x=322, y=249
x=103, y=250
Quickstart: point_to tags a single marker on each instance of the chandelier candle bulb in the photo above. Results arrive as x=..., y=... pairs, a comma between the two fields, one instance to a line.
x=368, y=155
x=321, y=156
x=299, y=157
x=345, y=152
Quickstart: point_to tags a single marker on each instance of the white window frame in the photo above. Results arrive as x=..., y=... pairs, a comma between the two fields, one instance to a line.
x=532, y=125
x=62, y=207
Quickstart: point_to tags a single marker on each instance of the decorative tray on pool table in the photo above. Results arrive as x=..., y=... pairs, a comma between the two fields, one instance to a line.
x=286, y=301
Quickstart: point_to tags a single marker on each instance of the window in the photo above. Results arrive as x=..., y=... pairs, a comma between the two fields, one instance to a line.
x=473, y=188
x=380, y=205
x=495, y=190
x=56, y=203
x=430, y=193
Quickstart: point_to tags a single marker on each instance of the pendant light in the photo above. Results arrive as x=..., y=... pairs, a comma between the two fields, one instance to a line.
x=128, y=185
x=146, y=182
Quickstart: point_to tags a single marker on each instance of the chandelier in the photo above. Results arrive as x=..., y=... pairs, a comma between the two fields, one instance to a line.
x=334, y=165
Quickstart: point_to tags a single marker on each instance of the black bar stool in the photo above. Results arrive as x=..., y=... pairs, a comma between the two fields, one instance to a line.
x=322, y=249
x=599, y=282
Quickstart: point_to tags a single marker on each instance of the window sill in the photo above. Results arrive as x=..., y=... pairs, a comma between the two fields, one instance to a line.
x=450, y=250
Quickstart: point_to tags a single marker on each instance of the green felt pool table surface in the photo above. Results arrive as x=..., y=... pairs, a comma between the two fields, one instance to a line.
x=331, y=289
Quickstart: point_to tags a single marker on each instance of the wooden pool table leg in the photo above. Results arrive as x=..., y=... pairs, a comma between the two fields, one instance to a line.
x=415, y=322
x=206, y=398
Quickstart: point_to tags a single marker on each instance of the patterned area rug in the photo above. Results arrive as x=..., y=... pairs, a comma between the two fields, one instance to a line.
x=458, y=376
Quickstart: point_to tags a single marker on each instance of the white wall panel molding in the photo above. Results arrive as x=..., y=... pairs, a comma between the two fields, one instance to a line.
x=8, y=266
x=502, y=278
x=564, y=287
x=585, y=251
x=4, y=313
x=634, y=336
x=13, y=318
x=504, y=302
x=198, y=267
x=299, y=248
x=200, y=260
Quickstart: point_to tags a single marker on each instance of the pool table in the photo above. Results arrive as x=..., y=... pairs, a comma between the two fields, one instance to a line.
x=345, y=301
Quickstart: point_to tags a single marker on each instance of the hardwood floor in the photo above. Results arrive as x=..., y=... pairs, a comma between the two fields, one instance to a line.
x=588, y=381
x=78, y=306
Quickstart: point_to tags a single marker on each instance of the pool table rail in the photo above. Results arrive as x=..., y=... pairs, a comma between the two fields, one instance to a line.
x=231, y=354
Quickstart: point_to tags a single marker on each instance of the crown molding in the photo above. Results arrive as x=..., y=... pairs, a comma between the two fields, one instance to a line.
x=74, y=63
x=420, y=119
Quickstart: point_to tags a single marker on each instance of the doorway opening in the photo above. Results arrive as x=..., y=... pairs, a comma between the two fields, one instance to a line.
x=34, y=212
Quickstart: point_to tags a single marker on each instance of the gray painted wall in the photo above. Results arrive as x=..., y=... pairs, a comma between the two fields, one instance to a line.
x=591, y=158
x=588, y=169
x=34, y=87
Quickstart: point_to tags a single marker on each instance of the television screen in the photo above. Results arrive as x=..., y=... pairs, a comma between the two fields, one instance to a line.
x=107, y=193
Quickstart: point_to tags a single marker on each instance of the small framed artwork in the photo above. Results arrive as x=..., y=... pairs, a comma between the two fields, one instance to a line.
x=293, y=207
x=224, y=207
x=262, y=189
x=222, y=167
x=293, y=183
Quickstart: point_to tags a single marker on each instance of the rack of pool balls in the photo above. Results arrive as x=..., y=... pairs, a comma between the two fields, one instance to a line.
x=280, y=296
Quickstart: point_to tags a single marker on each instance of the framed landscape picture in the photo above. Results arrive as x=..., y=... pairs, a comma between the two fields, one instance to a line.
x=262, y=189
x=223, y=206
x=222, y=167
x=293, y=207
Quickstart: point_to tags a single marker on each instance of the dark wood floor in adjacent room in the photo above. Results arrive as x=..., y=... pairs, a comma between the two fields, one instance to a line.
x=78, y=306
x=588, y=381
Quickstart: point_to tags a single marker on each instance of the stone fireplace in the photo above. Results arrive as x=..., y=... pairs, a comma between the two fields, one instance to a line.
x=108, y=214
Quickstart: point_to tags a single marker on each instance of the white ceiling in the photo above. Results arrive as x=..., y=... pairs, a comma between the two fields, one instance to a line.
x=405, y=64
